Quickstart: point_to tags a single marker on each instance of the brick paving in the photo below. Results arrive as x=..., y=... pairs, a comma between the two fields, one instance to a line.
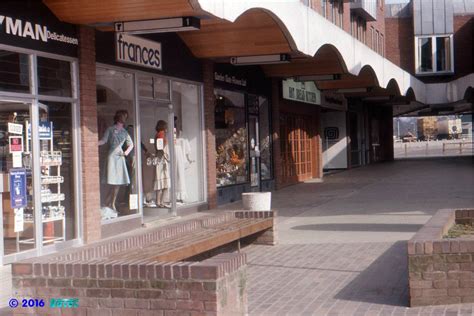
x=342, y=247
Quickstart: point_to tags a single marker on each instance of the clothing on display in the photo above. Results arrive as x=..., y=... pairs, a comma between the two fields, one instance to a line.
x=182, y=152
x=117, y=172
x=162, y=176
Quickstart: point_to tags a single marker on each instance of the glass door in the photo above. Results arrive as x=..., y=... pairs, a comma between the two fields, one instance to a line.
x=254, y=153
x=157, y=141
x=16, y=178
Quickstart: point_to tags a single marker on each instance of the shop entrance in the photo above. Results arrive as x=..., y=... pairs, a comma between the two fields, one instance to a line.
x=254, y=153
x=158, y=141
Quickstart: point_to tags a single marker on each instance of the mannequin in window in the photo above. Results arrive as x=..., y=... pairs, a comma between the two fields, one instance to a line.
x=182, y=151
x=162, y=177
x=117, y=173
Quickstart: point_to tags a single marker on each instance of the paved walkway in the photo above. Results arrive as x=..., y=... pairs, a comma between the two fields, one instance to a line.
x=342, y=242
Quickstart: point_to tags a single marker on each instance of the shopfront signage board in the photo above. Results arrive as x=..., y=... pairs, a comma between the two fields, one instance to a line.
x=18, y=193
x=305, y=91
x=34, y=27
x=138, y=51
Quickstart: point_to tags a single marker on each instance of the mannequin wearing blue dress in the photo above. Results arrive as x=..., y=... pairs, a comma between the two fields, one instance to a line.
x=117, y=173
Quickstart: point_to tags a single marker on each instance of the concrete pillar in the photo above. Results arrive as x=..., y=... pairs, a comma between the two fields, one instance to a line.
x=89, y=136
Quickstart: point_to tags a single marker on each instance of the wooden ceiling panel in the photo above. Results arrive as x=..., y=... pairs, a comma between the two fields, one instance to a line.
x=254, y=33
x=103, y=11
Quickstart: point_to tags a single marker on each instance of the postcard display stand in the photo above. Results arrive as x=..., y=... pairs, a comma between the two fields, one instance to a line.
x=51, y=196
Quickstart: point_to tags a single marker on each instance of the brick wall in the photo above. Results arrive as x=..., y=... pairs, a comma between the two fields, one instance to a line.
x=210, y=135
x=216, y=286
x=89, y=136
x=441, y=271
x=400, y=43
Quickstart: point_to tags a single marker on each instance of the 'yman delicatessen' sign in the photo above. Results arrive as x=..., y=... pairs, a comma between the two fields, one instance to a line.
x=305, y=92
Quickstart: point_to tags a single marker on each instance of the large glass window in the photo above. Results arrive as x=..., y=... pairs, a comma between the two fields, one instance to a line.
x=231, y=138
x=187, y=144
x=57, y=171
x=117, y=154
x=434, y=54
x=16, y=163
x=54, y=77
x=14, y=72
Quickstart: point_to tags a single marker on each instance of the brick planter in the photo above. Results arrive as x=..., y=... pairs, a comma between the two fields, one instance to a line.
x=441, y=271
x=108, y=281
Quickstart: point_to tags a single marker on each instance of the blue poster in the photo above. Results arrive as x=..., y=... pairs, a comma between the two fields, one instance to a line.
x=18, y=194
x=45, y=130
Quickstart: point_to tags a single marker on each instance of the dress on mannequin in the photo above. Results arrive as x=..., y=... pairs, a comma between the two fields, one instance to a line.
x=117, y=172
x=182, y=151
x=162, y=177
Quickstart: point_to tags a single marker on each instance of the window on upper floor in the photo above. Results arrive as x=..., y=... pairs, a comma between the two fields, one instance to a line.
x=337, y=12
x=323, y=8
x=434, y=54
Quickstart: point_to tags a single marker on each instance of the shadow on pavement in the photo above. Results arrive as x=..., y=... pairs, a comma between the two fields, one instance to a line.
x=365, y=227
x=385, y=281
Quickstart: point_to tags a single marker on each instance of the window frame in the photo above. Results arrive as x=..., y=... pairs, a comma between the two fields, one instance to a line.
x=434, y=48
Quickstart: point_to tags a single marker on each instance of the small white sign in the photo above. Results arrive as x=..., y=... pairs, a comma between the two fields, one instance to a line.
x=14, y=128
x=17, y=160
x=152, y=140
x=133, y=201
x=19, y=220
x=160, y=144
x=137, y=51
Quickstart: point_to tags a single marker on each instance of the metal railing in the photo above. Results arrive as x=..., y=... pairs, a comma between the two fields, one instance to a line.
x=434, y=148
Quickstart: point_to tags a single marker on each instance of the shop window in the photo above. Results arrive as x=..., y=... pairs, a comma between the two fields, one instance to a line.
x=117, y=151
x=187, y=143
x=266, y=166
x=153, y=88
x=54, y=77
x=14, y=72
x=16, y=156
x=57, y=171
x=434, y=54
x=231, y=138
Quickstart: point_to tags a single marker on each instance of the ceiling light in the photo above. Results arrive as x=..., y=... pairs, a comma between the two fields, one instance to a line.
x=260, y=59
x=318, y=77
x=159, y=26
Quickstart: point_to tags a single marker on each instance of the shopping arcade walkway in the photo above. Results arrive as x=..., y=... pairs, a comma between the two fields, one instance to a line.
x=342, y=242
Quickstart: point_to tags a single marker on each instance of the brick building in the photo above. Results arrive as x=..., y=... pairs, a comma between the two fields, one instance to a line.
x=104, y=131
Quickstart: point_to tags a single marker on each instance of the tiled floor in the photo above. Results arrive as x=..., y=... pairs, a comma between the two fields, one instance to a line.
x=342, y=247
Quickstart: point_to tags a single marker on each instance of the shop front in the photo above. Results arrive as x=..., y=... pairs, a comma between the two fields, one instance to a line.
x=243, y=132
x=39, y=170
x=299, y=132
x=150, y=130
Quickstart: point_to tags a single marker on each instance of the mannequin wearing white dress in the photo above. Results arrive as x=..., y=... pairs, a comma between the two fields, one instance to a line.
x=182, y=155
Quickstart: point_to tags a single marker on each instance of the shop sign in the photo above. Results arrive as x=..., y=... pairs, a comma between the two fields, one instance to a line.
x=25, y=33
x=305, y=92
x=230, y=79
x=334, y=101
x=16, y=144
x=137, y=51
x=45, y=130
x=19, y=220
x=14, y=128
x=18, y=194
